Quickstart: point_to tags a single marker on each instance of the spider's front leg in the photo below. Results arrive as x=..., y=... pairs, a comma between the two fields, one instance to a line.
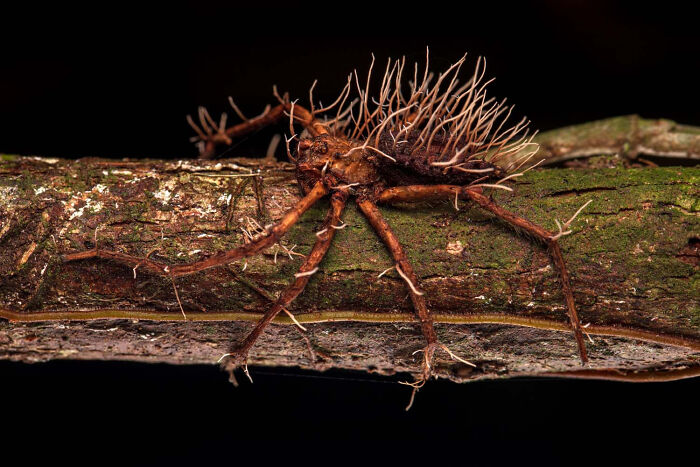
x=417, y=193
x=239, y=355
x=211, y=134
x=269, y=238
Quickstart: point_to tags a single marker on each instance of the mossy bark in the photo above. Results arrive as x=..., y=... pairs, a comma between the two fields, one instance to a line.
x=633, y=257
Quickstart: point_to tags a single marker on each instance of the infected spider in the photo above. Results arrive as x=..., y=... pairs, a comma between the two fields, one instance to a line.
x=430, y=138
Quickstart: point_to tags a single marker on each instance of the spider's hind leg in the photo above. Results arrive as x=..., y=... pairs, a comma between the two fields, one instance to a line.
x=238, y=356
x=552, y=242
x=416, y=193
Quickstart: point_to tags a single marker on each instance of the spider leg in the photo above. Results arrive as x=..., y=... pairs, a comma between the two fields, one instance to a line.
x=239, y=355
x=265, y=240
x=427, y=192
x=381, y=226
x=222, y=135
x=270, y=298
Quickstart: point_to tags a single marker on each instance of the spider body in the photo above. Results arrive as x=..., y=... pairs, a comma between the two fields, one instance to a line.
x=347, y=163
x=442, y=140
x=414, y=167
x=338, y=160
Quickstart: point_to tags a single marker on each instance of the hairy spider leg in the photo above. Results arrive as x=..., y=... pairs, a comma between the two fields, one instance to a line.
x=270, y=298
x=415, y=193
x=271, y=116
x=267, y=239
x=382, y=228
x=239, y=355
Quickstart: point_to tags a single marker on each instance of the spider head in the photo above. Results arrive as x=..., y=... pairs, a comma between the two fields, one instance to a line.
x=326, y=155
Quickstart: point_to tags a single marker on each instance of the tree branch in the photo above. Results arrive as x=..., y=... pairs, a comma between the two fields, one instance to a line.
x=633, y=257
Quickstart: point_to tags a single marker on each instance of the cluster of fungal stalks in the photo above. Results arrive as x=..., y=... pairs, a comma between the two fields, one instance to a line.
x=423, y=138
x=449, y=125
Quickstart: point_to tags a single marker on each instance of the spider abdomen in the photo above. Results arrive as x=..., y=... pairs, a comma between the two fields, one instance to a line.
x=415, y=164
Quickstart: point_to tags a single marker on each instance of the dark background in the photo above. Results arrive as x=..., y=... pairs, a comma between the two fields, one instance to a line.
x=115, y=79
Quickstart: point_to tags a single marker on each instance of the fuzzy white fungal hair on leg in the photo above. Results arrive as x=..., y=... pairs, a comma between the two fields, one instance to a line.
x=294, y=320
x=307, y=273
x=408, y=281
x=384, y=272
x=344, y=187
x=490, y=185
x=247, y=373
x=563, y=228
x=456, y=357
x=177, y=296
x=223, y=356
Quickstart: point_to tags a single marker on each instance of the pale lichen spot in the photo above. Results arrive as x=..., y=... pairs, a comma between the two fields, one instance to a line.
x=455, y=248
x=225, y=198
x=90, y=205
x=163, y=195
x=100, y=188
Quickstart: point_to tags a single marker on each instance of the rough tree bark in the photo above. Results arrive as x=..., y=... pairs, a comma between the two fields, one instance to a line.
x=633, y=257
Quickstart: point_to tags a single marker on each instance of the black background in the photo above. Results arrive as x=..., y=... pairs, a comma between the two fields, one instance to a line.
x=116, y=79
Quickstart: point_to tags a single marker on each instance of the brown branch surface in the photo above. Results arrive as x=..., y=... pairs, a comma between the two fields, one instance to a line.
x=633, y=258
